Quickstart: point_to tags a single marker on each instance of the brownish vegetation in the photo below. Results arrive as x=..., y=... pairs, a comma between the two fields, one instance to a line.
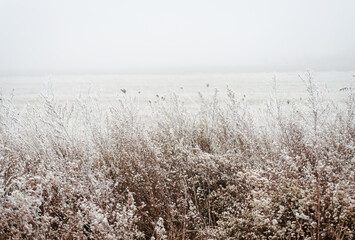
x=78, y=171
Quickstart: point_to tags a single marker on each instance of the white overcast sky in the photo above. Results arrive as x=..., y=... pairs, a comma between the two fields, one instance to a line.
x=58, y=36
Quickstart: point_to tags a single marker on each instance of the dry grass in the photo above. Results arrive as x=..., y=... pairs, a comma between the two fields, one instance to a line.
x=79, y=172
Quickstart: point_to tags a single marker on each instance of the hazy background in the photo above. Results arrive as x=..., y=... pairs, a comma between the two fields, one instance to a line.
x=122, y=36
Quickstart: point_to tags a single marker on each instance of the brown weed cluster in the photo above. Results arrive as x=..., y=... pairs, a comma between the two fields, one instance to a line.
x=79, y=171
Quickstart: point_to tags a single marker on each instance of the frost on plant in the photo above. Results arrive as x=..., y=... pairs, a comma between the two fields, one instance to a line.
x=82, y=171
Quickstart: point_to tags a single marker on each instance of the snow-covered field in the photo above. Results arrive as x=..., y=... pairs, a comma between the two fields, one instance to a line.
x=255, y=86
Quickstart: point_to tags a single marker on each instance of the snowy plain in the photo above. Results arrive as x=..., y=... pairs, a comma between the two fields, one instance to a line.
x=255, y=87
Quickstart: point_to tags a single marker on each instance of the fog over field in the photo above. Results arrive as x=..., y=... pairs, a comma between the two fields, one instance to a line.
x=169, y=120
x=48, y=37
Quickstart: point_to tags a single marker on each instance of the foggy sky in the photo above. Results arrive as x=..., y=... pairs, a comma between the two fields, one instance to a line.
x=60, y=36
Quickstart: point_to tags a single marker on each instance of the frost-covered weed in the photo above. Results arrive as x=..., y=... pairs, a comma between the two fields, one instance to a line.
x=82, y=171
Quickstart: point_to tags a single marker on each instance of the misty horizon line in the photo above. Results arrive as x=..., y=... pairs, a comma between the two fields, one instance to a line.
x=172, y=70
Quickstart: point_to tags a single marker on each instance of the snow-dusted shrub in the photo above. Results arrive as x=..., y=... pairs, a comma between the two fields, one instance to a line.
x=50, y=185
